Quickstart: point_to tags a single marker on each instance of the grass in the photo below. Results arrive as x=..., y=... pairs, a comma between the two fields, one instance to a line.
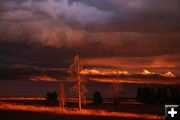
x=17, y=111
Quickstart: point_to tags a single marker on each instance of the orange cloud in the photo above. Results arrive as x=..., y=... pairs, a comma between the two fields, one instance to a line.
x=103, y=72
x=43, y=78
x=114, y=72
x=147, y=72
x=169, y=74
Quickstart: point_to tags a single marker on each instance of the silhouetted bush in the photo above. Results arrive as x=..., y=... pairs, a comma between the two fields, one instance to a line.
x=52, y=99
x=97, y=98
x=51, y=96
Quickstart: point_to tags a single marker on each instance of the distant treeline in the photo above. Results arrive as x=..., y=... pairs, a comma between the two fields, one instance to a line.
x=159, y=94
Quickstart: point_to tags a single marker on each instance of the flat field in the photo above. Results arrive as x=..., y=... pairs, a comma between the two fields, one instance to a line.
x=36, y=109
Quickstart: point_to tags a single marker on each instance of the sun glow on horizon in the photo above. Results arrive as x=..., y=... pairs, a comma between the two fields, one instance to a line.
x=147, y=72
x=96, y=71
x=103, y=72
x=169, y=74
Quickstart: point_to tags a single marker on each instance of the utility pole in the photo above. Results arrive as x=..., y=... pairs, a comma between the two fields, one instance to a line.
x=61, y=98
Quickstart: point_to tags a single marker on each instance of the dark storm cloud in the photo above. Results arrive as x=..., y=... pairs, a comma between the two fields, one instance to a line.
x=158, y=6
x=133, y=44
x=138, y=15
x=101, y=15
x=50, y=32
x=32, y=54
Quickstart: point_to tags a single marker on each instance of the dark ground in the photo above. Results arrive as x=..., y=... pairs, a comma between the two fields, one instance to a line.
x=131, y=107
x=25, y=115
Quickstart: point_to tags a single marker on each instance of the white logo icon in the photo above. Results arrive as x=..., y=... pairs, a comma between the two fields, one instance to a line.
x=172, y=112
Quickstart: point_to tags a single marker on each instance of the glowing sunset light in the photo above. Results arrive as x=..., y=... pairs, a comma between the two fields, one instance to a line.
x=43, y=78
x=147, y=72
x=137, y=81
x=123, y=72
x=169, y=74
x=92, y=71
x=103, y=72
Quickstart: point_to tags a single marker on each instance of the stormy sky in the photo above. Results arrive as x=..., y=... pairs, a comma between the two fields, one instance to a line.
x=129, y=34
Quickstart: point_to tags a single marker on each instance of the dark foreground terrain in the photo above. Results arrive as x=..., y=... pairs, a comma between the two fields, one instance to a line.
x=27, y=115
x=128, y=105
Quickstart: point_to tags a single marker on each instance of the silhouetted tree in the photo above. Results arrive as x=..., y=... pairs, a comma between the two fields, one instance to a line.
x=62, y=96
x=97, y=98
x=159, y=94
x=51, y=96
x=79, y=88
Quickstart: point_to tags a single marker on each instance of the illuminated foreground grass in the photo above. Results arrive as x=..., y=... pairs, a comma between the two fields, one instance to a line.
x=84, y=112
